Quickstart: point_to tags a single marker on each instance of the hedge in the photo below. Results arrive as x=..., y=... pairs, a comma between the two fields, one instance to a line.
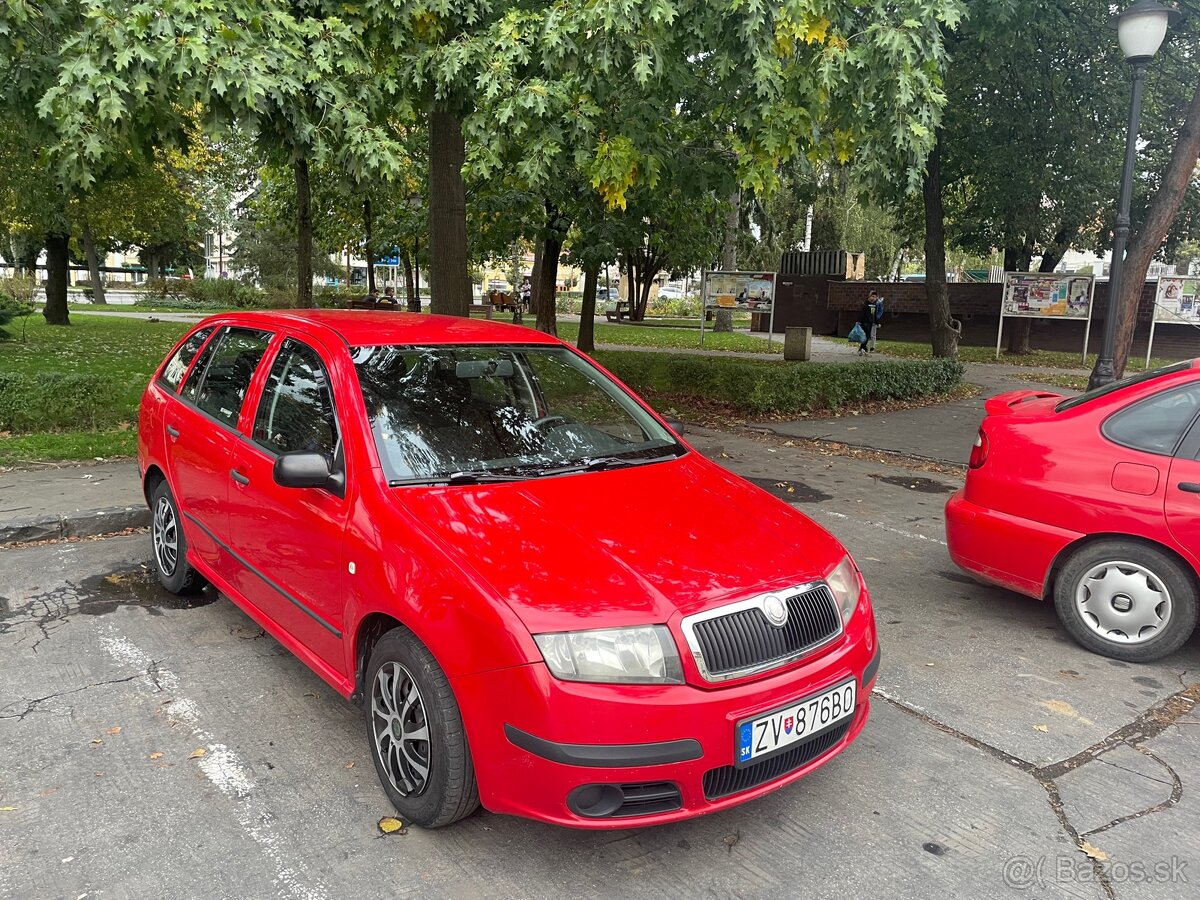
x=763, y=387
x=54, y=401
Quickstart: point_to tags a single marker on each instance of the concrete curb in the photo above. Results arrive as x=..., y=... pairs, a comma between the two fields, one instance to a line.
x=85, y=523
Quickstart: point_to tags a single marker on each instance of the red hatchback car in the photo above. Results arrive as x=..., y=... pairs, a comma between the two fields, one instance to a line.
x=1092, y=501
x=543, y=599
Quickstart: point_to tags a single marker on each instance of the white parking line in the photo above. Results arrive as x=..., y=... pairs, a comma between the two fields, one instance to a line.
x=222, y=766
x=880, y=525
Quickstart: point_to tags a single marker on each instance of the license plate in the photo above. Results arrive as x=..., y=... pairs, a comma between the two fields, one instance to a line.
x=764, y=735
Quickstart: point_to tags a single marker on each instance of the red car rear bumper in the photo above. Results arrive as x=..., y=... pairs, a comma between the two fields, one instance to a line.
x=1011, y=551
x=522, y=724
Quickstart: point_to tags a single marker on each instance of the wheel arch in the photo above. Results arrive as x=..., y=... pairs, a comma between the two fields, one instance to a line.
x=151, y=480
x=1063, y=555
x=367, y=632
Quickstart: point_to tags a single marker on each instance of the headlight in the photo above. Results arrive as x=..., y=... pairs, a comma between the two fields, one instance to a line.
x=619, y=655
x=843, y=581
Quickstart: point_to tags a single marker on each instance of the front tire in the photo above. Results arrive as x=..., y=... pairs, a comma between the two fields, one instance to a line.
x=169, y=544
x=1126, y=600
x=415, y=730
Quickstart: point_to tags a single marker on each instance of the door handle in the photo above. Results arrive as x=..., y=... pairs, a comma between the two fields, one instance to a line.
x=173, y=431
x=238, y=477
x=1190, y=486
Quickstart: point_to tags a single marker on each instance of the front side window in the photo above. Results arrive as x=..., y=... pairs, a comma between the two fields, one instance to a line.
x=177, y=365
x=296, y=410
x=1156, y=424
x=456, y=413
x=220, y=389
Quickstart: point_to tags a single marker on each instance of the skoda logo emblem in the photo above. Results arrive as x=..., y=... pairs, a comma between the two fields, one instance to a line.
x=775, y=610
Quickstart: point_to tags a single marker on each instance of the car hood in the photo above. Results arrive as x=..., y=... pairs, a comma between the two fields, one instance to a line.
x=624, y=547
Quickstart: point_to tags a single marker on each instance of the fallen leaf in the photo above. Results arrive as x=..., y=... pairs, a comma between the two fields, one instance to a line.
x=8, y=809
x=391, y=825
x=1093, y=852
x=789, y=443
x=116, y=729
x=349, y=765
x=156, y=755
x=97, y=741
x=929, y=664
x=197, y=753
x=1041, y=728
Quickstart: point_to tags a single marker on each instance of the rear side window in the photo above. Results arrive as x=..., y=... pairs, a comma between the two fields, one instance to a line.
x=296, y=410
x=177, y=365
x=222, y=386
x=1156, y=424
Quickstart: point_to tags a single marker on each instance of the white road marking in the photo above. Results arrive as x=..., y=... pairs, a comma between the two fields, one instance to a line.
x=222, y=766
x=879, y=525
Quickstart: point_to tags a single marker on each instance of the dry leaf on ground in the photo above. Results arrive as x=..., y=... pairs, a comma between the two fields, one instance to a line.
x=391, y=825
x=197, y=753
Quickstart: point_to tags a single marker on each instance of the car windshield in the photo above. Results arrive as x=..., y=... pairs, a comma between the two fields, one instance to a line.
x=471, y=414
x=1088, y=396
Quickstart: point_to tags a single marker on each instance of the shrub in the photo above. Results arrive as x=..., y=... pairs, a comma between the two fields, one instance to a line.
x=53, y=401
x=12, y=307
x=224, y=293
x=762, y=387
x=674, y=308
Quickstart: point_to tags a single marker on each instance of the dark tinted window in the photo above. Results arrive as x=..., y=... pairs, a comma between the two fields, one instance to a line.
x=296, y=410
x=1120, y=385
x=177, y=365
x=229, y=371
x=1155, y=424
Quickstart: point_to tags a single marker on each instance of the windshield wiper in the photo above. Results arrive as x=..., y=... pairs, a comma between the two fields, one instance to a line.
x=600, y=463
x=474, y=476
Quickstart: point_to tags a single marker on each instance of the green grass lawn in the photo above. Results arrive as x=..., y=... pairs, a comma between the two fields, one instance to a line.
x=127, y=350
x=1050, y=359
x=671, y=338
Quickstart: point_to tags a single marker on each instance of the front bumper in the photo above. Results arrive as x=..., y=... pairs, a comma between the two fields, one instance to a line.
x=537, y=741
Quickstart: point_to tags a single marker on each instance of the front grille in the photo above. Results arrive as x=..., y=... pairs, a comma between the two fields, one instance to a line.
x=728, y=780
x=744, y=640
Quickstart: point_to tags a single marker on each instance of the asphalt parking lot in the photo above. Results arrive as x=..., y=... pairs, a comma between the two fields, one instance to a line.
x=998, y=757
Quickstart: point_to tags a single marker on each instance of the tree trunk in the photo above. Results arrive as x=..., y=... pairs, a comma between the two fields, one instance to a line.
x=152, y=269
x=93, y=261
x=944, y=330
x=724, y=317
x=450, y=281
x=1149, y=238
x=55, y=311
x=304, y=236
x=545, y=284
x=587, y=314
x=367, y=251
x=410, y=288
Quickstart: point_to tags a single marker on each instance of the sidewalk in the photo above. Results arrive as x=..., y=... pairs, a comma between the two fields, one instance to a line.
x=76, y=501
x=70, y=501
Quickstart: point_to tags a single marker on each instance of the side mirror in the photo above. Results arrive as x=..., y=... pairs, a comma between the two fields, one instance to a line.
x=305, y=469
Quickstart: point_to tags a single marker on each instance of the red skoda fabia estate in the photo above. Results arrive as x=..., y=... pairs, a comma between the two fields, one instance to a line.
x=542, y=598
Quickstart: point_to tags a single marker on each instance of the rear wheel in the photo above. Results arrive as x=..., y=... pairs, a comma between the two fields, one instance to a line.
x=1126, y=600
x=169, y=544
x=418, y=743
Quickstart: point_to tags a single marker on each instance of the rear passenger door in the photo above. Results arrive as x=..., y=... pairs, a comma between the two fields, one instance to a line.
x=1182, y=504
x=201, y=437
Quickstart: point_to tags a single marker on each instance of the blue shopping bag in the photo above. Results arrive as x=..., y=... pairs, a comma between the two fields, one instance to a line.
x=857, y=335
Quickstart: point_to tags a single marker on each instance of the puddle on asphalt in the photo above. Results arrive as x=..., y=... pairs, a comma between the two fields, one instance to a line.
x=101, y=594
x=923, y=485
x=791, y=491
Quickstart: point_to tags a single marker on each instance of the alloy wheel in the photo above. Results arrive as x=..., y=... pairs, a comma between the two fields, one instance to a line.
x=400, y=729
x=165, y=535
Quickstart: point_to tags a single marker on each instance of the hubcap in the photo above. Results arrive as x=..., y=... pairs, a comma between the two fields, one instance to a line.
x=400, y=729
x=1123, y=602
x=165, y=535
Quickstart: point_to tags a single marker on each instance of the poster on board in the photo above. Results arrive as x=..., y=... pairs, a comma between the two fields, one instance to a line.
x=751, y=291
x=1047, y=295
x=1177, y=300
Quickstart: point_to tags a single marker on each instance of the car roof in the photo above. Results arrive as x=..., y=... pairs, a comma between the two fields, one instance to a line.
x=373, y=327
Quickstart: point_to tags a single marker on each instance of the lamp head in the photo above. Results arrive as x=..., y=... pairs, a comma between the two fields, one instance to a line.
x=1142, y=27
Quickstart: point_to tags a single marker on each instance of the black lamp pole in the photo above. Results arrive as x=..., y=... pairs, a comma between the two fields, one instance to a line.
x=1103, y=373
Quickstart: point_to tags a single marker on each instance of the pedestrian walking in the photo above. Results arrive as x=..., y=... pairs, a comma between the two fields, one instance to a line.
x=866, y=321
x=874, y=332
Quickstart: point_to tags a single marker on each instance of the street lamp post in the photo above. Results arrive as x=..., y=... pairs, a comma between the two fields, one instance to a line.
x=1140, y=31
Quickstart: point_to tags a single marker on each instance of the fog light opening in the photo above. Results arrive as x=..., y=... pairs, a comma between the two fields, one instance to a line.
x=595, y=801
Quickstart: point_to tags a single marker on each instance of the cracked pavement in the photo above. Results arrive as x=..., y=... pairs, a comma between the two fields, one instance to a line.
x=998, y=756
